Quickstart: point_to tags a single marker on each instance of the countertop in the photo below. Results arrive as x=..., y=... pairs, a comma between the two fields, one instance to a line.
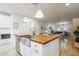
x=42, y=39
x=22, y=34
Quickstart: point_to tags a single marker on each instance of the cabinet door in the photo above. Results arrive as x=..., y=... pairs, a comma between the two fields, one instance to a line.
x=13, y=41
x=24, y=50
x=52, y=48
x=36, y=49
x=18, y=43
x=21, y=49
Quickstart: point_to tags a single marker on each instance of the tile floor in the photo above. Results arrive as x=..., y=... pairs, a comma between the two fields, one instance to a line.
x=6, y=49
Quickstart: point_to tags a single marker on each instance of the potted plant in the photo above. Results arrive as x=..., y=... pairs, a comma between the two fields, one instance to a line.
x=76, y=32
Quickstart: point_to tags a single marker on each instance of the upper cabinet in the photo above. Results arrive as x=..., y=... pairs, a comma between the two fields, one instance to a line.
x=5, y=21
x=75, y=23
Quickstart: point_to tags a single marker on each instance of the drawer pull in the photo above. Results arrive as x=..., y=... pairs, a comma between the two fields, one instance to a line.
x=35, y=45
x=36, y=50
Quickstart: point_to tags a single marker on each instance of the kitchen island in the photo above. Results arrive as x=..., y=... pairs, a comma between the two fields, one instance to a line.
x=39, y=45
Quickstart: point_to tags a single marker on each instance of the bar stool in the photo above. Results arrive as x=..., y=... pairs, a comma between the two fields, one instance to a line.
x=76, y=45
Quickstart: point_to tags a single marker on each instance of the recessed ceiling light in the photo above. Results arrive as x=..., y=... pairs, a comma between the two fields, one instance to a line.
x=67, y=4
x=39, y=14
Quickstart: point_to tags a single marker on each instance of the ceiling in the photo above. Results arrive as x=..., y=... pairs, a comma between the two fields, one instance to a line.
x=52, y=11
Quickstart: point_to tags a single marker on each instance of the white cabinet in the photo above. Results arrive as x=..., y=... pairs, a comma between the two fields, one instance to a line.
x=25, y=50
x=52, y=48
x=13, y=41
x=49, y=49
x=36, y=49
x=5, y=21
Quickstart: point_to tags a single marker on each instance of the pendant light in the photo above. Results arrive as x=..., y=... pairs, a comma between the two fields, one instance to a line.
x=67, y=4
x=39, y=14
x=25, y=19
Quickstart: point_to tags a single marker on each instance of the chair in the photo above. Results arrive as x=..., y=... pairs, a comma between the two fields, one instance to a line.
x=76, y=45
x=72, y=40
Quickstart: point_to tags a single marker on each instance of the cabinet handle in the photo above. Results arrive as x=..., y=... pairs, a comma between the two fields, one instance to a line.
x=36, y=50
x=35, y=45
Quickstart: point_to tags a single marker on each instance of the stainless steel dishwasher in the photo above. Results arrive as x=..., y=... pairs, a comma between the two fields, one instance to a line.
x=26, y=41
x=25, y=46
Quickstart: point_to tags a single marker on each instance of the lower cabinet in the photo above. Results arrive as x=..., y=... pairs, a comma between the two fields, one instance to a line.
x=17, y=43
x=36, y=49
x=49, y=49
x=25, y=50
x=52, y=48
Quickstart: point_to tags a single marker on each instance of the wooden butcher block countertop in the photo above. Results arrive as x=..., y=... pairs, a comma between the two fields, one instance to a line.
x=43, y=39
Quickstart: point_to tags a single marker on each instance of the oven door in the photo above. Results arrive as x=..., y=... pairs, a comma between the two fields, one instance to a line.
x=5, y=36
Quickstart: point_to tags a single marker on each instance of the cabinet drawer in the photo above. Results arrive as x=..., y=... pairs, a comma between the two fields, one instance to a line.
x=36, y=49
x=37, y=52
x=36, y=46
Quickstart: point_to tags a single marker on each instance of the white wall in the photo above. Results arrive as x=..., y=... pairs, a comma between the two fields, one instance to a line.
x=5, y=21
x=25, y=27
x=16, y=19
x=30, y=25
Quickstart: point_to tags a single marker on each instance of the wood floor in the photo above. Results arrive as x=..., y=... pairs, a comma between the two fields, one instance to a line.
x=66, y=48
